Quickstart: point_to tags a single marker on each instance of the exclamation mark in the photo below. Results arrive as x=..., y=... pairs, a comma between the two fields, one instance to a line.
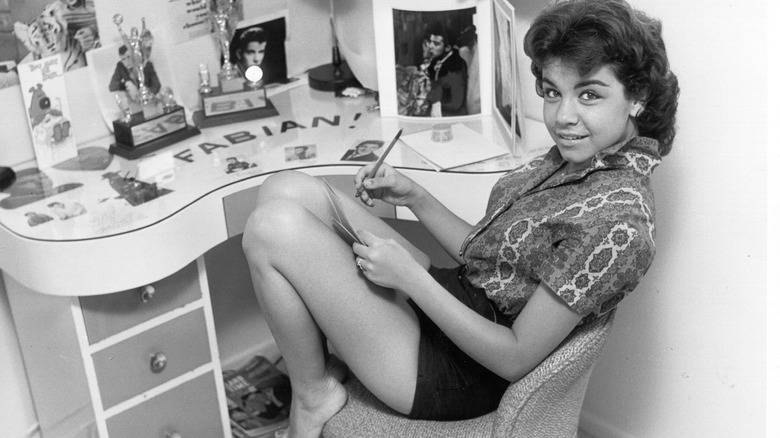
x=357, y=116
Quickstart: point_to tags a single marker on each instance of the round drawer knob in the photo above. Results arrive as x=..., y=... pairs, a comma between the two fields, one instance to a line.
x=147, y=293
x=158, y=363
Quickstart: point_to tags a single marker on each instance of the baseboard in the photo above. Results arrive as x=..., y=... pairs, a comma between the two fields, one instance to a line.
x=598, y=427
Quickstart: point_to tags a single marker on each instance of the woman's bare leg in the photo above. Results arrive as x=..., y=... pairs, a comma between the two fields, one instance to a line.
x=309, y=288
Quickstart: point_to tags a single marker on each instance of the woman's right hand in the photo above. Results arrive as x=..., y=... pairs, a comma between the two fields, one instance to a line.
x=388, y=185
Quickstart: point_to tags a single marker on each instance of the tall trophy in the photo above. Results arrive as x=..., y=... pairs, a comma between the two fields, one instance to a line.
x=235, y=98
x=150, y=118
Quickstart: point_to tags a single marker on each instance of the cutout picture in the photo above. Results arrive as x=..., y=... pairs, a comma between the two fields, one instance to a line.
x=300, y=153
x=365, y=151
x=237, y=163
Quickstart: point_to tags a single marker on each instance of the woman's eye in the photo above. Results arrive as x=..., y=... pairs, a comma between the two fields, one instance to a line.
x=550, y=93
x=589, y=95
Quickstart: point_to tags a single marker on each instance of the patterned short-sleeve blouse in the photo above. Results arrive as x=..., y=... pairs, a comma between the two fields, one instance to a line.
x=588, y=235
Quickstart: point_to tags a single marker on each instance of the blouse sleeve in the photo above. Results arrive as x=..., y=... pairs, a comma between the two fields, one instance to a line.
x=594, y=270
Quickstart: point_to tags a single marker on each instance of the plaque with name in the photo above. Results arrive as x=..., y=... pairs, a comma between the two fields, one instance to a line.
x=140, y=136
x=221, y=108
x=140, y=130
x=219, y=103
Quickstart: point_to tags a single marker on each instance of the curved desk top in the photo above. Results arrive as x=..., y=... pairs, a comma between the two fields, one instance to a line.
x=100, y=223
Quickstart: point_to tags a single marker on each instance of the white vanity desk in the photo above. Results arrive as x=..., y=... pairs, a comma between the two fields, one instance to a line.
x=126, y=315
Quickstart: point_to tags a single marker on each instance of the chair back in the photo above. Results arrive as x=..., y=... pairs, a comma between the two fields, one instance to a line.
x=547, y=401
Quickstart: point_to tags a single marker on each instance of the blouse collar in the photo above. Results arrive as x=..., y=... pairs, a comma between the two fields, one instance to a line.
x=639, y=153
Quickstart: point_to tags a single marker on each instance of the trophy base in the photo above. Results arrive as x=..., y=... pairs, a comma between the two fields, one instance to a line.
x=231, y=85
x=141, y=130
x=328, y=77
x=201, y=120
x=152, y=109
x=133, y=152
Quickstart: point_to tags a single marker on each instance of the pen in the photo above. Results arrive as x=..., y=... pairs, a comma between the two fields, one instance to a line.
x=378, y=163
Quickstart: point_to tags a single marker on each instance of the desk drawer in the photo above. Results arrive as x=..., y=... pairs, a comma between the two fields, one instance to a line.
x=192, y=410
x=127, y=369
x=106, y=315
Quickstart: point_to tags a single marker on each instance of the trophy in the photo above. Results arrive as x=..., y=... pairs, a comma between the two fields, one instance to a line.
x=150, y=118
x=235, y=98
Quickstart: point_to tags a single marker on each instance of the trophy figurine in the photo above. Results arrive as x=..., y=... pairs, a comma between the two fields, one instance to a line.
x=235, y=98
x=150, y=118
x=224, y=16
x=140, y=46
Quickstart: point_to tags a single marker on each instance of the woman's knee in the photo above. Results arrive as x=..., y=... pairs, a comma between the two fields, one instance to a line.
x=289, y=184
x=273, y=223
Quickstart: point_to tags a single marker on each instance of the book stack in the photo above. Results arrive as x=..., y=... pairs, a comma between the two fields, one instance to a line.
x=258, y=399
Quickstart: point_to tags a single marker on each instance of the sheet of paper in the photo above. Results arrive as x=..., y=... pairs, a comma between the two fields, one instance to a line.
x=343, y=227
x=466, y=147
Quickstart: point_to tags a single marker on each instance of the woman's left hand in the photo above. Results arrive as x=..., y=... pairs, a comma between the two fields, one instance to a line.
x=383, y=261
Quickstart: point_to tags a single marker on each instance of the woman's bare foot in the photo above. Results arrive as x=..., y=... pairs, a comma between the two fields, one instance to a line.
x=313, y=408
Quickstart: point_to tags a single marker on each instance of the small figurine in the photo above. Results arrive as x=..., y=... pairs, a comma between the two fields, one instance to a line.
x=168, y=101
x=205, y=79
x=124, y=107
x=139, y=44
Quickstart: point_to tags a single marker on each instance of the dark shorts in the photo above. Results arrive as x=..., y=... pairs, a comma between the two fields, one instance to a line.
x=450, y=384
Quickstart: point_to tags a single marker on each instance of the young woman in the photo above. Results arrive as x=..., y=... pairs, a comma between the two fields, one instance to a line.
x=565, y=238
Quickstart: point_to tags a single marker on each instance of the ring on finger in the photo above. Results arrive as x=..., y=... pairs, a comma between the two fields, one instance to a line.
x=359, y=263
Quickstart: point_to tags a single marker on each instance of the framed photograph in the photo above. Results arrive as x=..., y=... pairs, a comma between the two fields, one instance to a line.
x=116, y=83
x=261, y=41
x=431, y=61
x=506, y=73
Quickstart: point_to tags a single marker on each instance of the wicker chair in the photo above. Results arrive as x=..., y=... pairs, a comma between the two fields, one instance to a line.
x=544, y=403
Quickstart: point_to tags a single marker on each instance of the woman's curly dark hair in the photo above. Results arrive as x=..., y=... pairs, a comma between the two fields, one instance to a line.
x=591, y=33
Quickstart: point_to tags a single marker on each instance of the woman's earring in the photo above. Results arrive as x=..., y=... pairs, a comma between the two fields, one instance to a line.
x=637, y=109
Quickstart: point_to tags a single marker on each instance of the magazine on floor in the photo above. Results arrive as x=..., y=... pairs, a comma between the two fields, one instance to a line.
x=258, y=398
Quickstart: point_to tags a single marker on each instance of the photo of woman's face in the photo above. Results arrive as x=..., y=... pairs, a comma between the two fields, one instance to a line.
x=253, y=54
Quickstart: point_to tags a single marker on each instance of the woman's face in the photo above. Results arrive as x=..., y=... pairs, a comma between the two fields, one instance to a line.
x=586, y=114
x=253, y=54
